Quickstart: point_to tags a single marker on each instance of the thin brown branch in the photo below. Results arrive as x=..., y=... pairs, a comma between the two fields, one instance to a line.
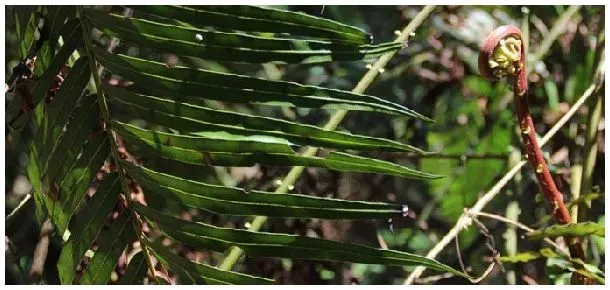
x=458, y=253
x=495, y=255
x=490, y=243
x=521, y=226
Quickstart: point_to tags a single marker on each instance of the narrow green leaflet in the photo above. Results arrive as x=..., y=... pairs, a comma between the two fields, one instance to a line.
x=208, y=141
x=528, y=256
x=71, y=190
x=72, y=35
x=58, y=111
x=156, y=143
x=578, y=229
x=186, y=117
x=283, y=245
x=576, y=265
x=258, y=19
x=573, y=265
x=136, y=270
x=25, y=25
x=22, y=16
x=54, y=19
x=87, y=227
x=41, y=201
x=521, y=257
x=234, y=47
x=45, y=72
x=110, y=246
x=204, y=273
x=196, y=83
x=237, y=201
x=85, y=119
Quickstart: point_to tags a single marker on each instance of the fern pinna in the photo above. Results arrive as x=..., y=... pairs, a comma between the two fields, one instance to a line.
x=104, y=134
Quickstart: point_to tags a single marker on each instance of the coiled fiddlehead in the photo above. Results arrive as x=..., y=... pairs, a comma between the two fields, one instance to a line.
x=503, y=54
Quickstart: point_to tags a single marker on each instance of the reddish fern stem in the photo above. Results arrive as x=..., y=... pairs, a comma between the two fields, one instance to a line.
x=553, y=196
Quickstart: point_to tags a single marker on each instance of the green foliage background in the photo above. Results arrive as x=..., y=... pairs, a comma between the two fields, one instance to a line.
x=435, y=75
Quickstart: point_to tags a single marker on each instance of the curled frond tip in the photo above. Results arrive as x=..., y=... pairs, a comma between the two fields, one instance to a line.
x=502, y=53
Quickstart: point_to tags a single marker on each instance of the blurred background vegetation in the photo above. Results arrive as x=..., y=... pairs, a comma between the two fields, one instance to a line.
x=475, y=132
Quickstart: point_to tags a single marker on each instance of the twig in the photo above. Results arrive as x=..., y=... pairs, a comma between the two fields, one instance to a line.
x=521, y=226
x=432, y=279
x=294, y=173
x=22, y=205
x=41, y=250
x=490, y=244
x=575, y=186
x=465, y=220
x=590, y=151
x=381, y=241
x=485, y=273
x=458, y=253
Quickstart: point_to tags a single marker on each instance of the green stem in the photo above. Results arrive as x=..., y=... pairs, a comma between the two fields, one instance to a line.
x=525, y=26
x=511, y=238
x=575, y=187
x=292, y=176
x=590, y=148
x=111, y=135
x=590, y=151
